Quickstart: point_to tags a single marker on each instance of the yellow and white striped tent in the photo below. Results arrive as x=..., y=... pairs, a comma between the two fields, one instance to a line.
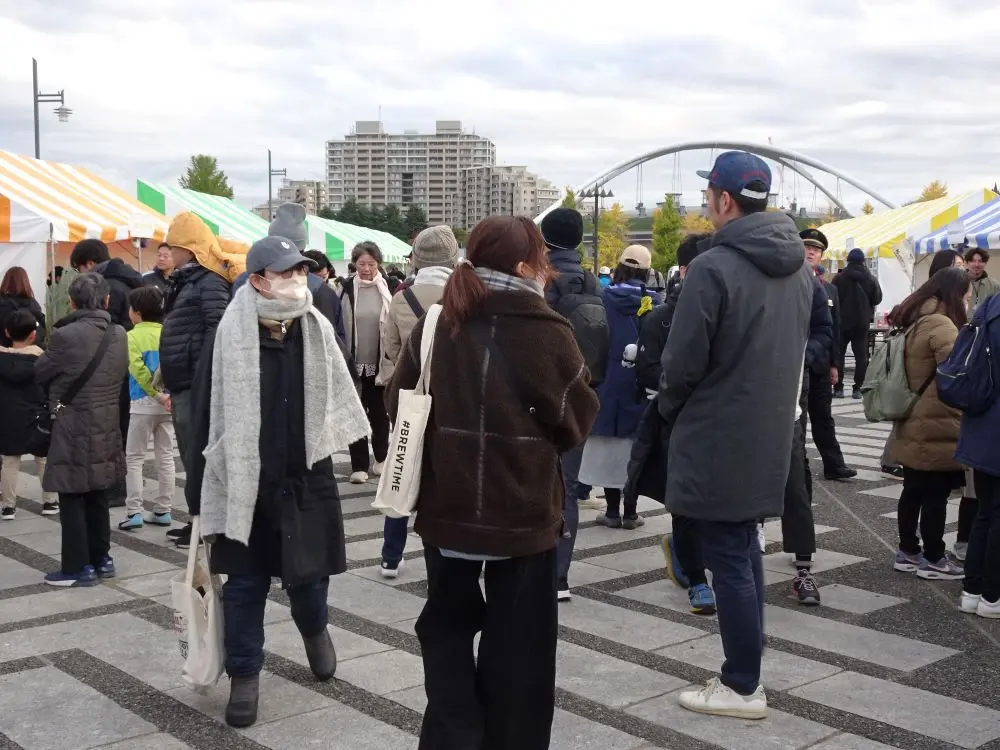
x=880, y=233
x=42, y=201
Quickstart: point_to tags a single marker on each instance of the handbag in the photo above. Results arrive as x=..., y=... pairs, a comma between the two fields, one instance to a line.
x=197, y=601
x=399, y=485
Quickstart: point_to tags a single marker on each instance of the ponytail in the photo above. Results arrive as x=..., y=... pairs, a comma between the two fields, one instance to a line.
x=463, y=294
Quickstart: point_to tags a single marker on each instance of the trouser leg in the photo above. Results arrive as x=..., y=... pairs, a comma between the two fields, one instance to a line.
x=571, y=461
x=394, y=532
x=8, y=480
x=243, y=601
x=73, y=519
x=309, y=611
x=687, y=546
x=139, y=430
x=824, y=431
x=98, y=519
x=798, y=530
x=166, y=469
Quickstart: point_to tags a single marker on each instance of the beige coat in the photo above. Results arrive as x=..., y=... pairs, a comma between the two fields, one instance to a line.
x=927, y=440
x=401, y=319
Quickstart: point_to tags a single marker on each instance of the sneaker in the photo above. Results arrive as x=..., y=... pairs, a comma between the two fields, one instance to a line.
x=390, y=570
x=107, y=568
x=608, y=521
x=160, y=519
x=359, y=477
x=562, y=592
x=840, y=474
x=719, y=700
x=838, y=392
x=632, y=523
x=674, y=571
x=893, y=471
x=183, y=531
x=969, y=603
x=132, y=522
x=86, y=577
x=989, y=610
x=805, y=589
x=183, y=541
x=944, y=569
x=856, y=394
x=50, y=509
x=591, y=503
x=702, y=599
x=960, y=551
x=7, y=514
x=907, y=563
x=378, y=468
x=761, y=539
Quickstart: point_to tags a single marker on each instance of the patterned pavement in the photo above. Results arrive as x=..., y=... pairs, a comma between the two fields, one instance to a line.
x=887, y=661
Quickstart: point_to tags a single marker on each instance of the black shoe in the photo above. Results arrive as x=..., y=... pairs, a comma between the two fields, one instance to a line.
x=856, y=394
x=805, y=588
x=180, y=532
x=50, y=509
x=838, y=392
x=562, y=591
x=244, y=693
x=840, y=474
x=894, y=471
x=7, y=514
x=322, y=655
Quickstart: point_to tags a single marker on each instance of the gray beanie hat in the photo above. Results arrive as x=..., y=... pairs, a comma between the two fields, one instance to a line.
x=290, y=223
x=435, y=246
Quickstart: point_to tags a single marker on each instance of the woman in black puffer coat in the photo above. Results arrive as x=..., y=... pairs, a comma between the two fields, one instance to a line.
x=16, y=294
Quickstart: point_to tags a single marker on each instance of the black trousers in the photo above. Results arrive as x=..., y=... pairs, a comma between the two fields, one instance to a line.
x=968, y=509
x=373, y=399
x=982, y=563
x=614, y=500
x=858, y=339
x=86, y=529
x=118, y=493
x=687, y=546
x=798, y=530
x=924, y=502
x=824, y=431
x=505, y=699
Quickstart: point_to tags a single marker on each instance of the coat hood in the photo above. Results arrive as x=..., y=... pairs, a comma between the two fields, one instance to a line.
x=768, y=239
x=856, y=271
x=17, y=366
x=188, y=231
x=624, y=299
x=116, y=268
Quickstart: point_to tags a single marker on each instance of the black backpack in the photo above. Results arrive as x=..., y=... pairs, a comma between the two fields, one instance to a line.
x=583, y=306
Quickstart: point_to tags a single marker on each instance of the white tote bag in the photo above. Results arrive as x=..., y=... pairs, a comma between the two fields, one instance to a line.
x=399, y=485
x=197, y=604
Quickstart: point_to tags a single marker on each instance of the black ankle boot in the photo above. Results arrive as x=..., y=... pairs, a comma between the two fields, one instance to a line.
x=322, y=655
x=244, y=692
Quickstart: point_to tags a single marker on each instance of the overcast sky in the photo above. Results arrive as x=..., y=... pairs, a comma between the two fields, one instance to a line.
x=891, y=93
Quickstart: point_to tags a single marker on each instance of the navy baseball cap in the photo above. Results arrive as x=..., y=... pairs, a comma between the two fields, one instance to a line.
x=735, y=171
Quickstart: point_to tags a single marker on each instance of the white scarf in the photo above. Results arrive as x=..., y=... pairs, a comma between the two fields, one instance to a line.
x=334, y=416
x=383, y=289
x=433, y=276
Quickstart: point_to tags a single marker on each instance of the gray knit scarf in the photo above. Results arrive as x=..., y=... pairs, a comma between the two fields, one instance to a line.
x=498, y=281
x=334, y=417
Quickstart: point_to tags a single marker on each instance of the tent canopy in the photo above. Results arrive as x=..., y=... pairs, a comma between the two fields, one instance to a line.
x=981, y=227
x=42, y=201
x=337, y=240
x=879, y=233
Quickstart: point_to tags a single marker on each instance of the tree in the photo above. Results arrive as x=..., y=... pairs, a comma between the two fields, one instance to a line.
x=868, y=209
x=415, y=221
x=570, y=200
x=354, y=213
x=668, y=231
x=612, y=235
x=933, y=190
x=327, y=213
x=204, y=176
x=697, y=224
x=461, y=235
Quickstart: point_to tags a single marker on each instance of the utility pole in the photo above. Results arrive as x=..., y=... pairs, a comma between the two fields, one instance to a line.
x=62, y=112
x=272, y=173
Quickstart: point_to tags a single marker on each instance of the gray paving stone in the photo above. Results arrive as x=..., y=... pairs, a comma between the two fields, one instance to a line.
x=884, y=649
x=334, y=728
x=772, y=529
x=154, y=584
x=138, y=647
x=853, y=459
x=633, y=628
x=780, y=731
x=14, y=574
x=868, y=475
x=409, y=572
x=890, y=491
x=366, y=524
x=779, y=670
x=631, y=561
x=414, y=697
x=850, y=439
x=572, y=732
x=857, y=601
x=850, y=742
x=405, y=626
x=48, y=542
x=584, y=574
x=593, y=537
x=46, y=709
x=950, y=516
x=284, y=640
x=130, y=563
x=662, y=593
x=149, y=742
x=366, y=550
x=607, y=680
x=57, y=601
x=963, y=724
x=823, y=560
x=373, y=601
x=383, y=673
x=27, y=523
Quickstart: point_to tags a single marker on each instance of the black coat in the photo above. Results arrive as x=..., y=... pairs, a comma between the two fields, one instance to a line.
x=122, y=279
x=652, y=338
x=820, y=331
x=298, y=526
x=22, y=400
x=193, y=308
x=157, y=279
x=831, y=290
x=860, y=294
x=10, y=305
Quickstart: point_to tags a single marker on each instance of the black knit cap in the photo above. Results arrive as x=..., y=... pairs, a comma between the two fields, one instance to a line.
x=563, y=229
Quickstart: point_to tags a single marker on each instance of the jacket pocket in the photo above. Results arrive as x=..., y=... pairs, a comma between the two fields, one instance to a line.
x=215, y=462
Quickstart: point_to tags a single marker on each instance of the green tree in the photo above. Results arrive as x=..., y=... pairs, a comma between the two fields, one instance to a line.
x=461, y=235
x=570, y=200
x=204, y=176
x=327, y=213
x=668, y=231
x=394, y=222
x=697, y=224
x=933, y=190
x=416, y=221
x=612, y=235
x=354, y=213
x=868, y=209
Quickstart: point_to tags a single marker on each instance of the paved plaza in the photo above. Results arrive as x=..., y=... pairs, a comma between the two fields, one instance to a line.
x=887, y=661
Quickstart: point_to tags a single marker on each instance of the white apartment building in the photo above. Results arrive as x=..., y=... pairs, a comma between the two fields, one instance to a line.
x=424, y=169
x=310, y=193
x=504, y=191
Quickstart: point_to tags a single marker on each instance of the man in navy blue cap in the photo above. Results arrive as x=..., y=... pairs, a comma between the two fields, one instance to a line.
x=729, y=392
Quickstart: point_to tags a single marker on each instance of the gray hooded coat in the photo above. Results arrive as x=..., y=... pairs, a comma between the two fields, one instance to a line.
x=731, y=371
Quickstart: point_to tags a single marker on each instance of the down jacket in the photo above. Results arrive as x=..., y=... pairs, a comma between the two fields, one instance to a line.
x=193, y=308
x=86, y=452
x=927, y=440
x=22, y=400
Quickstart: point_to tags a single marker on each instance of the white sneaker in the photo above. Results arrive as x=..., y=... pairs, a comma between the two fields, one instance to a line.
x=990, y=610
x=563, y=595
x=761, y=539
x=719, y=700
x=378, y=468
x=969, y=603
x=390, y=572
x=592, y=503
x=359, y=477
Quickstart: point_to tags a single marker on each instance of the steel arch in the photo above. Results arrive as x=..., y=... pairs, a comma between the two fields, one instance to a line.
x=790, y=159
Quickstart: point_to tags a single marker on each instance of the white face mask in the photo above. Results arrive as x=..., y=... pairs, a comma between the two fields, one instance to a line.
x=293, y=289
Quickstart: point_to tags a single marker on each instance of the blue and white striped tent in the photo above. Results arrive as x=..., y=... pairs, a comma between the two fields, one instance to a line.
x=981, y=227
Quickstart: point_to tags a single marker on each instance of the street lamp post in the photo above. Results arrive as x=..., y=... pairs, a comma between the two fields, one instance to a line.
x=62, y=111
x=597, y=195
x=272, y=173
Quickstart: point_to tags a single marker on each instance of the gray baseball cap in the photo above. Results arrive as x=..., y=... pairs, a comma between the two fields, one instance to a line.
x=276, y=254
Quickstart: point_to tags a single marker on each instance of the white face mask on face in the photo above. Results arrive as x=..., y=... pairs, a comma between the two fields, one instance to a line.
x=293, y=289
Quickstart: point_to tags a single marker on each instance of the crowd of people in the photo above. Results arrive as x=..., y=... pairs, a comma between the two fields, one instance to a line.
x=553, y=380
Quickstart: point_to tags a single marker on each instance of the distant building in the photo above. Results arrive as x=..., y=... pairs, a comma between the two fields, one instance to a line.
x=309, y=193
x=503, y=191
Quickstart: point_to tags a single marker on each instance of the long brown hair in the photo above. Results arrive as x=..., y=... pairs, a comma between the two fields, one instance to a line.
x=949, y=286
x=498, y=243
x=16, y=284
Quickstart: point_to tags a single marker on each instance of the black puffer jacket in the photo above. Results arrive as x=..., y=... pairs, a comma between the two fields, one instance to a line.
x=193, y=308
x=860, y=294
x=122, y=279
x=652, y=339
x=22, y=400
x=10, y=305
x=86, y=453
x=820, y=330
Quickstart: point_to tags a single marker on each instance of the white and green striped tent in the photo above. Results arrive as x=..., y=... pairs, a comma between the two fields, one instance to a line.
x=231, y=221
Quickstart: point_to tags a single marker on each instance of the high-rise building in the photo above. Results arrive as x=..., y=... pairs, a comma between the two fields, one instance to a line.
x=310, y=193
x=504, y=191
x=424, y=169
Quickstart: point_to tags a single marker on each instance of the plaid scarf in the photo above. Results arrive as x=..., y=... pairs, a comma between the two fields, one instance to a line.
x=498, y=281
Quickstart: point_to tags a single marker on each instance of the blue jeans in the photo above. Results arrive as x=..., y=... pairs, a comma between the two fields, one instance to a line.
x=571, y=461
x=732, y=553
x=394, y=539
x=243, y=600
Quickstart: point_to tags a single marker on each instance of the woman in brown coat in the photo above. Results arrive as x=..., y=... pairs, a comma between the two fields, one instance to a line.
x=511, y=394
x=925, y=441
